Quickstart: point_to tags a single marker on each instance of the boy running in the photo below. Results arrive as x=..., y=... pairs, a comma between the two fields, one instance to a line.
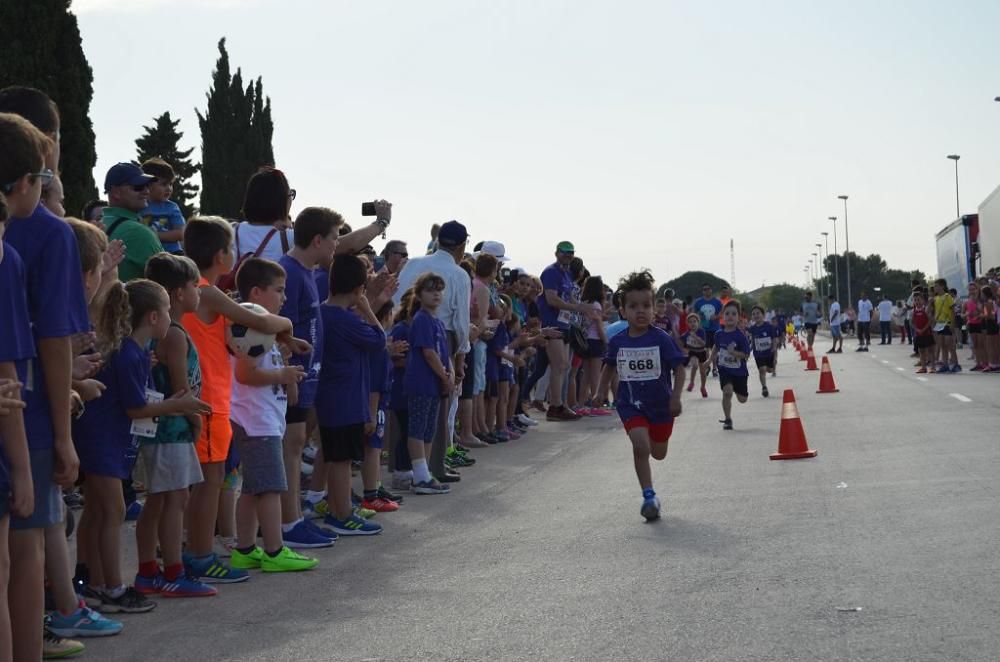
x=644, y=358
x=730, y=354
x=764, y=340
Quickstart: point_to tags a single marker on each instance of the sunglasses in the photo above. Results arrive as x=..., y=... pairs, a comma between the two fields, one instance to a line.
x=139, y=188
x=45, y=175
x=291, y=194
x=400, y=253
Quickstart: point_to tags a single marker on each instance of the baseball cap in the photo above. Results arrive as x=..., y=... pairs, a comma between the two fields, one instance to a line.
x=452, y=234
x=496, y=249
x=123, y=173
x=565, y=247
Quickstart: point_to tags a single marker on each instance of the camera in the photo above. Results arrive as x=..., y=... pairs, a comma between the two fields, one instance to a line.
x=368, y=209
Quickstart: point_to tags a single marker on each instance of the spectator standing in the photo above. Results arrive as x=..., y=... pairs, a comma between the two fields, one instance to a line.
x=885, y=311
x=127, y=187
x=864, y=321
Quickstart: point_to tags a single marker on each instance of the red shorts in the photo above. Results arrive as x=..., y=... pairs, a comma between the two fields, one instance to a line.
x=659, y=433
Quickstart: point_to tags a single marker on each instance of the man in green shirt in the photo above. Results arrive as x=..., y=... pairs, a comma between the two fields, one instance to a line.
x=127, y=187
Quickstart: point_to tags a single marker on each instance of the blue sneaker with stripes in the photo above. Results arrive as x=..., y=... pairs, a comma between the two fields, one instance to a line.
x=210, y=570
x=353, y=526
x=650, y=505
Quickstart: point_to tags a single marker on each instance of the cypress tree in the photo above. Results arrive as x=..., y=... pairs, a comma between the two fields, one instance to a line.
x=236, y=132
x=161, y=140
x=42, y=49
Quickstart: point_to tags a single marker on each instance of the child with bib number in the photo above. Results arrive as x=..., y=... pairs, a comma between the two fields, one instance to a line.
x=730, y=354
x=644, y=358
x=764, y=338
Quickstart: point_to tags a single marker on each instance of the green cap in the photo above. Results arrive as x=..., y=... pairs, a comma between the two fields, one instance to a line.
x=565, y=247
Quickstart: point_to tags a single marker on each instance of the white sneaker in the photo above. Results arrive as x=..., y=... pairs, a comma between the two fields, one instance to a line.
x=309, y=453
x=401, y=484
x=224, y=546
x=524, y=419
x=307, y=469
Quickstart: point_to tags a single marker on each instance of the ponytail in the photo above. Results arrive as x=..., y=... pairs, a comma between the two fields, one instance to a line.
x=113, y=320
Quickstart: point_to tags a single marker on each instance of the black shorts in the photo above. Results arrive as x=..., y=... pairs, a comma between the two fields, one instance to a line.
x=764, y=361
x=990, y=327
x=492, y=389
x=296, y=415
x=470, y=377
x=923, y=342
x=739, y=383
x=946, y=331
x=709, y=339
x=700, y=354
x=343, y=444
x=811, y=326
x=975, y=327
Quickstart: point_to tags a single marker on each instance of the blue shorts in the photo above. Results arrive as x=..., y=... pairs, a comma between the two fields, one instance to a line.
x=835, y=330
x=108, y=457
x=377, y=438
x=263, y=462
x=48, y=496
x=479, y=375
x=423, y=417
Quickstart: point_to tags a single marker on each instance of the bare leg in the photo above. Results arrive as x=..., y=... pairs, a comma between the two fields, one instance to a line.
x=6, y=652
x=291, y=450
x=107, y=492
x=58, y=569
x=25, y=596
x=640, y=456
x=558, y=362
x=203, y=509
x=339, y=489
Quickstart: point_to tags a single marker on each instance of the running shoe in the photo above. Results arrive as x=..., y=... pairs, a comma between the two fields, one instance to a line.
x=539, y=405
x=650, y=508
x=704, y=392
x=561, y=414
x=211, y=570
x=247, y=561
x=302, y=537
x=389, y=496
x=763, y=392
x=55, y=647
x=223, y=546
x=501, y=436
x=512, y=433
x=148, y=585
x=324, y=531
x=600, y=412
x=401, y=482
x=320, y=509
x=363, y=513
x=976, y=368
x=457, y=462
x=524, y=419
x=186, y=587
x=956, y=368
x=380, y=505
x=727, y=424
x=309, y=454
x=582, y=411
x=287, y=561
x=353, y=526
x=305, y=468
x=133, y=511
x=91, y=596
x=922, y=371
x=84, y=622
x=430, y=487
x=690, y=387
x=129, y=602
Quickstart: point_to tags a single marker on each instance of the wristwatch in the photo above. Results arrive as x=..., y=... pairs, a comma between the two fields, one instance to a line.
x=382, y=223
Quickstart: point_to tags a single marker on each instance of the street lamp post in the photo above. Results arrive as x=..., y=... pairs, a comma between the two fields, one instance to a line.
x=821, y=270
x=815, y=264
x=826, y=241
x=958, y=208
x=847, y=250
x=836, y=266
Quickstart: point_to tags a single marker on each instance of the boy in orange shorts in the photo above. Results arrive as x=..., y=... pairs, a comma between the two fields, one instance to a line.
x=644, y=358
x=208, y=241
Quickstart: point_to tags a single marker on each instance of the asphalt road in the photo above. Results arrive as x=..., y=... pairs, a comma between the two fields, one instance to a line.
x=884, y=547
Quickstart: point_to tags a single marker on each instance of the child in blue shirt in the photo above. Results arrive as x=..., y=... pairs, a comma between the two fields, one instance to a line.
x=429, y=379
x=695, y=343
x=729, y=354
x=401, y=466
x=162, y=214
x=350, y=333
x=380, y=366
x=650, y=370
x=105, y=435
x=764, y=337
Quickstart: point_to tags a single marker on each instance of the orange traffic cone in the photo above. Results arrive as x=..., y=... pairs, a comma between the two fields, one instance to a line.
x=811, y=362
x=792, y=443
x=826, y=384
x=803, y=355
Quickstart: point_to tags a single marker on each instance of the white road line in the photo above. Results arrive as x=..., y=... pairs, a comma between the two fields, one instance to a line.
x=922, y=379
x=900, y=369
x=885, y=362
x=960, y=397
x=874, y=356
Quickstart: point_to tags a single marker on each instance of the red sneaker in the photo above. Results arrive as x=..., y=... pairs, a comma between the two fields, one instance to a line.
x=380, y=505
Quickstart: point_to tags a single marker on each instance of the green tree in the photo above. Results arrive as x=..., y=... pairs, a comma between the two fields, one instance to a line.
x=690, y=282
x=867, y=273
x=236, y=132
x=161, y=140
x=42, y=49
x=783, y=297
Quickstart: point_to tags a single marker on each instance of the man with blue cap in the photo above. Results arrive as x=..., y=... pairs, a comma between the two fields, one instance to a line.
x=127, y=187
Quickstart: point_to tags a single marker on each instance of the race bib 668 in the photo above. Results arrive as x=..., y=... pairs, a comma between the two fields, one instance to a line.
x=638, y=364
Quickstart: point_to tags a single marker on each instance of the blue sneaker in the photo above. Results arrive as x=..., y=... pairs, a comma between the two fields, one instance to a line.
x=956, y=368
x=185, y=587
x=148, y=585
x=650, y=505
x=353, y=526
x=133, y=511
x=324, y=531
x=303, y=537
x=84, y=622
x=210, y=570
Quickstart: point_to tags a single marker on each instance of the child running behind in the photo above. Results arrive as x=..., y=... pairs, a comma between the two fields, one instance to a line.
x=764, y=341
x=262, y=390
x=923, y=337
x=645, y=359
x=695, y=341
x=134, y=315
x=730, y=354
x=169, y=458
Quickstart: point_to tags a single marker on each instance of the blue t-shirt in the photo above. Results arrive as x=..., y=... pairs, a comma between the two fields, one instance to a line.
x=425, y=331
x=16, y=344
x=645, y=367
x=345, y=375
x=706, y=309
x=163, y=217
x=695, y=341
x=380, y=367
x=728, y=363
x=322, y=278
x=397, y=396
x=302, y=308
x=102, y=435
x=555, y=278
x=613, y=329
x=496, y=344
x=763, y=337
x=57, y=307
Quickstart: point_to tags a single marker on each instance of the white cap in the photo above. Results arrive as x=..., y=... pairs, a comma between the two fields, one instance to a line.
x=496, y=249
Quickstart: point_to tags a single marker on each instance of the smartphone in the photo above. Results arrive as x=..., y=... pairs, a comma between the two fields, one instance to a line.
x=379, y=262
x=367, y=208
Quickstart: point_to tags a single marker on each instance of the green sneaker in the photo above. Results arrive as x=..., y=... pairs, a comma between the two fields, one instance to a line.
x=249, y=561
x=286, y=561
x=365, y=513
x=321, y=509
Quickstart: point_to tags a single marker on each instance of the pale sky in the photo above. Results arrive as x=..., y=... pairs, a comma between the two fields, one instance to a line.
x=649, y=133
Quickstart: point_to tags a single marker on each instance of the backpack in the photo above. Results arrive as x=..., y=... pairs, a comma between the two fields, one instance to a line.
x=227, y=282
